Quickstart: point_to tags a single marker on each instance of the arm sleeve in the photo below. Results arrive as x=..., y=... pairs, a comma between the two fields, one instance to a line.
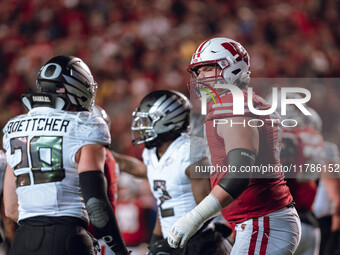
x=236, y=181
x=93, y=186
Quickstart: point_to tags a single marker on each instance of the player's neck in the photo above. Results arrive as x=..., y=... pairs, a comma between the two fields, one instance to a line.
x=162, y=148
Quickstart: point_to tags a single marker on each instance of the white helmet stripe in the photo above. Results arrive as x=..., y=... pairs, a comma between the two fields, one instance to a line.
x=166, y=104
x=157, y=104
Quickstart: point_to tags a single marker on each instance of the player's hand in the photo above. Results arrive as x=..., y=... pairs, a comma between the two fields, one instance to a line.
x=160, y=247
x=182, y=230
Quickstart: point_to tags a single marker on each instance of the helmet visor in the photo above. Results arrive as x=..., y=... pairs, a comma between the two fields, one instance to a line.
x=142, y=128
x=198, y=86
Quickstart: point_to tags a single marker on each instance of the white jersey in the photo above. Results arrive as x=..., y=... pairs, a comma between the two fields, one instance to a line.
x=168, y=181
x=41, y=147
x=3, y=164
x=323, y=205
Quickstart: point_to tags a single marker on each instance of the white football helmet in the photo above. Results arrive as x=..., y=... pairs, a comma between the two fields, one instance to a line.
x=221, y=52
x=314, y=120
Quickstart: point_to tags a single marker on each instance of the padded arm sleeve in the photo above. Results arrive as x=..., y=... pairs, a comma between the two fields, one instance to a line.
x=236, y=181
x=93, y=186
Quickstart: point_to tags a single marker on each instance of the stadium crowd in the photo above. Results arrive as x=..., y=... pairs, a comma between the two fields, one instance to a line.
x=136, y=46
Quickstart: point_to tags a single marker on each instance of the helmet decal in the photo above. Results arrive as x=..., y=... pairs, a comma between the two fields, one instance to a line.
x=199, y=49
x=51, y=71
x=236, y=50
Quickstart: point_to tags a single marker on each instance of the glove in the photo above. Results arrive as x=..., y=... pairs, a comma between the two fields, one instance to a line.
x=182, y=230
x=160, y=247
x=187, y=225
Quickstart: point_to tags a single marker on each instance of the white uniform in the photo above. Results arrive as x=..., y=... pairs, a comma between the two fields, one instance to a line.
x=323, y=205
x=168, y=181
x=3, y=164
x=41, y=147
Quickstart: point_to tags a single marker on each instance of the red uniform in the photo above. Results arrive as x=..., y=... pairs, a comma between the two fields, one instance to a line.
x=135, y=218
x=111, y=173
x=263, y=195
x=309, y=147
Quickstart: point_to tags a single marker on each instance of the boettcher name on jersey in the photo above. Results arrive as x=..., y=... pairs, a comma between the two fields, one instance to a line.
x=41, y=147
x=38, y=124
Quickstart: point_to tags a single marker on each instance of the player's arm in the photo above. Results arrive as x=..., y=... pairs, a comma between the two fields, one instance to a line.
x=130, y=165
x=333, y=189
x=9, y=224
x=91, y=160
x=10, y=195
x=157, y=231
x=200, y=186
x=241, y=147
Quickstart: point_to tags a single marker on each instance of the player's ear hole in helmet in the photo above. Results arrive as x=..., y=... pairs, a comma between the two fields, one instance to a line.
x=161, y=116
x=64, y=82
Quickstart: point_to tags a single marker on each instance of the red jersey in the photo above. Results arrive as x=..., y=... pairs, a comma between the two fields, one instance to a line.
x=263, y=195
x=135, y=218
x=308, y=149
x=111, y=173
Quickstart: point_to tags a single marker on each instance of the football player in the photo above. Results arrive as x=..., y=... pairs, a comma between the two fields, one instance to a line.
x=303, y=146
x=7, y=226
x=326, y=205
x=262, y=208
x=54, y=180
x=160, y=123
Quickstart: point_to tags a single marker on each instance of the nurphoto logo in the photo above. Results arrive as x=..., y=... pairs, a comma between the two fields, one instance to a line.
x=238, y=100
x=239, y=103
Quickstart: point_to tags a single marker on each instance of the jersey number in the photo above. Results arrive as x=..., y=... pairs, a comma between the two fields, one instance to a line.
x=158, y=184
x=42, y=154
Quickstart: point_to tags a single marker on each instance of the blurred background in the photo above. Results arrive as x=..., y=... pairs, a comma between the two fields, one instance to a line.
x=136, y=46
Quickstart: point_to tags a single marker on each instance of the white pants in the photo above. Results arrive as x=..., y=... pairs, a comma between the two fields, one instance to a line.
x=310, y=240
x=276, y=233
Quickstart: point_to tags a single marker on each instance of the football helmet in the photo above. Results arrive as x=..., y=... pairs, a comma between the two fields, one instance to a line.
x=314, y=120
x=228, y=55
x=100, y=112
x=65, y=82
x=162, y=115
